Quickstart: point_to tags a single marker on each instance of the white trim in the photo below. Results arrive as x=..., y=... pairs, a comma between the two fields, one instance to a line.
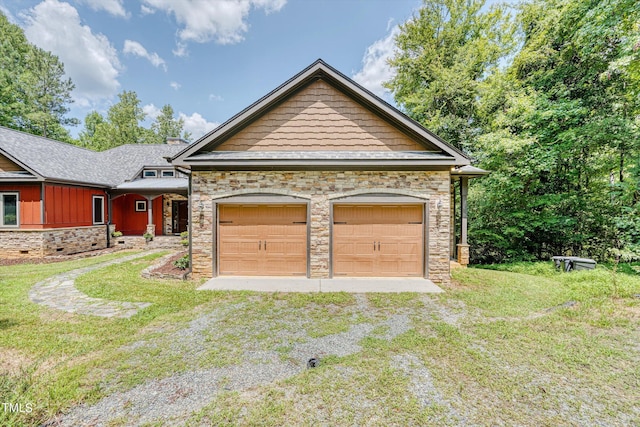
x=149, y=173
x=143, y=203
x=93, y=210
x=17, y=195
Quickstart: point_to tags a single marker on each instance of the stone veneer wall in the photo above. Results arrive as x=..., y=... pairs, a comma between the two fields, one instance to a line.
x=320, y=187
x=44, y=242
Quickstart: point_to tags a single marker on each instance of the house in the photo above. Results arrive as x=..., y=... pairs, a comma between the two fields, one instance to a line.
x=57, y=198
x=321, y=178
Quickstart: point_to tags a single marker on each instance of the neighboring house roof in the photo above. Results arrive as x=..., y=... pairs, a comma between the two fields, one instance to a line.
x=45, y=159
x=202, y=151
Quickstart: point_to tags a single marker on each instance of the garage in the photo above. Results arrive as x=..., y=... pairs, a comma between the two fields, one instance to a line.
x=378, y=240
x=262, y=240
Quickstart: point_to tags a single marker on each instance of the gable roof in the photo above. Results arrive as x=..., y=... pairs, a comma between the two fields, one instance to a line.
x=202, y=151
x=45, y=159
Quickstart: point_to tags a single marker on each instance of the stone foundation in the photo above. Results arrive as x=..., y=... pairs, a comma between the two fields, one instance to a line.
x=45, y=242
x=463, y=254
x=320, y=188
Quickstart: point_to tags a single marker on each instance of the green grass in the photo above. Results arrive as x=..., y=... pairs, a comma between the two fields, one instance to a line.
x=501, y=345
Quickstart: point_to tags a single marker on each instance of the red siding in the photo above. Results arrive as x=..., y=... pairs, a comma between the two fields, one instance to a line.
x=29, y=203
x=130, y=222
x=68, y=206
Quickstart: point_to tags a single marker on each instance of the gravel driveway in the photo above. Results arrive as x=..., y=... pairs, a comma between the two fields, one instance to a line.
x=264, y=351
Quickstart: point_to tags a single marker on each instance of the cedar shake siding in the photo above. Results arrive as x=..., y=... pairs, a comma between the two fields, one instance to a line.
x=320, y=117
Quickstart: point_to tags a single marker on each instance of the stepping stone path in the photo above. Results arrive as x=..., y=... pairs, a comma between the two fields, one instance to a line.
x=59, y=292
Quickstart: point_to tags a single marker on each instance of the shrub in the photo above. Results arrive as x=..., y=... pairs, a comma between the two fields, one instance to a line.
x=185, y=238
x=116, y=234
x=182, y=263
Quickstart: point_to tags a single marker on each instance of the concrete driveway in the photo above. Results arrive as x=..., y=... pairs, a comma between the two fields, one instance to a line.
x=303, y=284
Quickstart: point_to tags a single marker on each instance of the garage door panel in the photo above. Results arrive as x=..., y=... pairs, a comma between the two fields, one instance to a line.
x=256, y=240
x=396, y=230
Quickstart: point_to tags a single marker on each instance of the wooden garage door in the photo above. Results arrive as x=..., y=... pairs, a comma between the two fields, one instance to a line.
x=378, y=240
x=263, y=240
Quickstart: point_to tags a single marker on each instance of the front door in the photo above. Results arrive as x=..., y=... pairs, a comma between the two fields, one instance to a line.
x=179, y=215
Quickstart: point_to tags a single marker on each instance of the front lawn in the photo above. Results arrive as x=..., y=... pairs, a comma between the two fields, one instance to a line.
x=522, y=345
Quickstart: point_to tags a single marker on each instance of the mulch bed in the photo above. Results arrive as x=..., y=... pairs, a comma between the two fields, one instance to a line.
x=167, y=269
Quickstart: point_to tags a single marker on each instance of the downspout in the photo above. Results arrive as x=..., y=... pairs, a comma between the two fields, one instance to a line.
x=108, y=219
x=42, y=204
x=189, y=223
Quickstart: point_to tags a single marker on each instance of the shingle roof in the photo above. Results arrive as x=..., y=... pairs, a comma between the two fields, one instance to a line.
x=156, y=184
x=58, y=161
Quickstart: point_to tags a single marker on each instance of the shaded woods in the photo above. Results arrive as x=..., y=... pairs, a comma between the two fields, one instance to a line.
x=546, y=96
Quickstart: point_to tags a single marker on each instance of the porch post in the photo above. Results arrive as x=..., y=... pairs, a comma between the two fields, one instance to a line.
x=151, y=228
x=463, y=246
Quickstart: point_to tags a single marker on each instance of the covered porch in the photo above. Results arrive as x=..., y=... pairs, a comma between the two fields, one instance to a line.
x=459, y=211
x=155, y=207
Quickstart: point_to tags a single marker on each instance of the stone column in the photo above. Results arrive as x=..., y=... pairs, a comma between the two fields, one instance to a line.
x=463, y=246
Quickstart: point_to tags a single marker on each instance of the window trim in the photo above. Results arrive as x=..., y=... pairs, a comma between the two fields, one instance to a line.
x=168, y=174
x=149, y=173
x=10, y=193
x=93, y=210
x=141, y=205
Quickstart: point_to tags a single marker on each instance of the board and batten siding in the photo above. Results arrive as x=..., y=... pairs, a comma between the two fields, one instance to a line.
x=317, y=118
x=30, y=204
x=70, y=206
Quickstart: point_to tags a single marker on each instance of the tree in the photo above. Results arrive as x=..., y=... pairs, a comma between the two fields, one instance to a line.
x=13, y=50
x=33, y=91
x=48, y=94
x=561, y=136
x=166, y=126
x=124, y=120
x=443, y=54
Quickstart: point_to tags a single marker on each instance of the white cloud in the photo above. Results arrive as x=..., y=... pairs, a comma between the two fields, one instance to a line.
x=114, y=7
x=146, y=10
x=151, y=111
x=180, y=50
x=89, y=58
x=175, y=85
x=222, y=20
x=197, y=125
x=135, y=48
x=375, y=67
x=214, y=97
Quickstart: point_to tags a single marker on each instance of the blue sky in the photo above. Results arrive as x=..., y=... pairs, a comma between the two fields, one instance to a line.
x=209, y=59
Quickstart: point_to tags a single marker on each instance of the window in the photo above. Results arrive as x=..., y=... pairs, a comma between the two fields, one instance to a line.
x=98, y=209
x=141, y=205
x=9, y=209
x=168, y=174
x=150, y=173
